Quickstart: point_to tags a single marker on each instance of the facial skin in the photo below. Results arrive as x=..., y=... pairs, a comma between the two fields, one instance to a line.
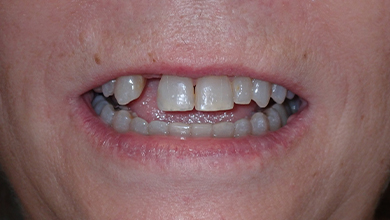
x=333, y=54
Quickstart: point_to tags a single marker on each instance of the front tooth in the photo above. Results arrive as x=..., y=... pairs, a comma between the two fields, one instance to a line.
x=242, y=128
x=175, y=94
x=282, y=113
x=158, y=128
x=213, y=93
x=128, y=88
x=107, y=114
x=179, y=129
x=274, y=119
x=278, y=93
x=121, y=121
x=242, y=90
x=201, y=130
x=260, y=124
x=139, y=125
x=108, y=88
x=223, y=129
x=261, y=92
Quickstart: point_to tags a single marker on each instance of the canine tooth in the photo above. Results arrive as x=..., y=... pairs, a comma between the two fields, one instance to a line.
x=139, y=125
x=223, y=129
x=213, y=93
x=107, y=114
x=158, y=128
x=260, y=124
x=121, y=121
x=179, y=129
x=242, y=127
x=99, y=106
x=175, y=94
x=128, y=88
x=273, y=118
x=282, y=113
x=261, y=92
x=201, y=130
x=242, y=90
x=108, y=88
x=278, y=93
x=290, y=95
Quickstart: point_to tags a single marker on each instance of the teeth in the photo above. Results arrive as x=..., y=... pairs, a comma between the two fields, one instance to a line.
x=273, y=118
x=278, y=93
x=223, y=129
x=290, y=95
x=121, y=121
x=175, y=94
x=201, y=130
x=139, y=125
x=158, y=128
x=107, y=114
x=179, y=129
x=242, y=128
x=261, y=92
x=259, y=123
x=128, y=88
x=108, y=88
x=242, y=90
x=98, y=104
x=282, y=113
x=213, y=93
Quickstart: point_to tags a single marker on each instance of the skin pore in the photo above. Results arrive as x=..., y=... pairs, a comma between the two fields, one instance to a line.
x=329, y=162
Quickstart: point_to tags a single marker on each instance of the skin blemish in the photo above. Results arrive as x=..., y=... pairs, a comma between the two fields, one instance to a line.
x=151, y=56
x=97, y=58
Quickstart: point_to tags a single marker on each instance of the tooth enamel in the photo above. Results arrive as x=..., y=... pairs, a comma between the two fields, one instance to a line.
x=179, y=129
x=213, y=93
x=242, y=90
x=121, y=121
x=158, y=128
x=290, y=95
x=282, y=113
x=273, y=118
x=98, y=89
x=261, y=92
x=242, y=128
x=201, y=130
x=223, y=129
x=259, y=123
x=108, y=88
x=294, y=105
x=175, y=94
x=128, y=88
x=278, y=93
x=107, y=114
x=99, y=106
x=139, y=125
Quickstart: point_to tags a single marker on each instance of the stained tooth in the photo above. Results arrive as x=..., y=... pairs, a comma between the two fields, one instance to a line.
x=158, y=128
x=107, y=114
x=97, y=99
x=175, y=94
x=213, y=93
x=223, y=129
x=108, y=88
x=273, y=118
x=260, y=124
x=242, y=128
x=278, y=93
x=261, y=92
x=121, y=121
x=201, y=130
x=139, y=125
x=179, y=129
x=290, y=95
x=128, y=88
x=282, y=113
x=294, y=105
x=242, y=90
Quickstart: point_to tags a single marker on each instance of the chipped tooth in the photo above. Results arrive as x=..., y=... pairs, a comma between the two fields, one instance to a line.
x=107, y=114
x=121, y=121
x=290, y=95
x=158, y=128
x=282, y=113
x=108, y=88
x=213, y=93
x=273, y=118
x=242, y=127
x=179, y=129
x=242, y=90
x=128, y=88
x=201, y=130
x=278, y=93
x=139, y=125
x=260, y=124
x=261, y=92
x=223, y=129
x=175, y=94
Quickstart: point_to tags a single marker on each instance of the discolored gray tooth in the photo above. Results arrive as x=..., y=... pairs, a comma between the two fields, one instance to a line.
x=175, y=94
x=242, y=87
x=278, y=93
x=273, y=118
x=213, y=93
x=128, y=88
x=261, y=92
x=108, y=88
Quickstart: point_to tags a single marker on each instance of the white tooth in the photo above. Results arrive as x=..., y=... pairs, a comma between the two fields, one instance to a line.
x=108, y=88
x=158, y=128
x=175, y=94
x=261, y=92
x=128, y=88
x=278, y=93
x=213, y=93
x=223, y=129
x=107, y=114
x=282, y=113
x=139, y=125
x=260, y=124
x=98, y=89
x=274, y=119
x=99, y=106
x=179, y=129
x=242, y=128
x=121, y=121
x=201, y=130
x=242, y=90
x=97, y=99
x=290, y=95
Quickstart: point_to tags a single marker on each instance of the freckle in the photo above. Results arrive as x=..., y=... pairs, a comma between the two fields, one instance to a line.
x=98, y=61
x=362, y=117
x=305, y=56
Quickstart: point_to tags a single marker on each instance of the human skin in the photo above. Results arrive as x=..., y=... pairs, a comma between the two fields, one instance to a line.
x=334, y=159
